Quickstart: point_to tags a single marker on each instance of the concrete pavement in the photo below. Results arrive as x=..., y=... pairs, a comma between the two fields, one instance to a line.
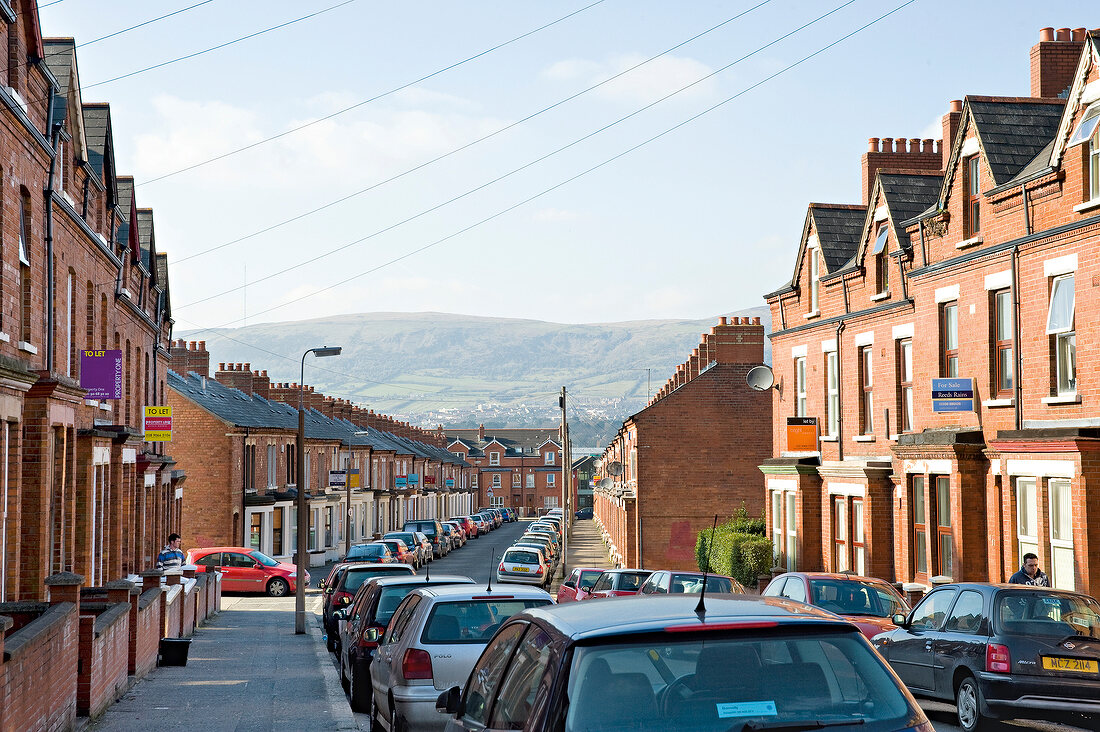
x=246, y=670
x=585, y=549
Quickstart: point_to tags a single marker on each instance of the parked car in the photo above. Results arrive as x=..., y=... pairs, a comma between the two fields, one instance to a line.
x=454, y=535
x=621, y=583
x=372, y=552
x=548, y=531
x=748, y=663
x=372, y=607
x=484, y=525
x=1001, y=651
x=432, y=529
x=578, y=584
x=868, y=602
x=431, y=644
x=544, y=547
x=524, y=565
x=402, y=551
x=510, y=515
x=341, y=586
x=664, y=582
x=416, y=542
x=247, y=570
x=468, y=524
x=544, y=541
x=584, y=513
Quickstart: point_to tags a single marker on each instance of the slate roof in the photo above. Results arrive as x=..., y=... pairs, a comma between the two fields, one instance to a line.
x=125, y=202
x=95, y=129
x=162, y=280
x=1013, y=132
x=516, y=440
x=838, y=229
x=59, y=60
x=1038, y=163
x=145, y=236
x=907, y=195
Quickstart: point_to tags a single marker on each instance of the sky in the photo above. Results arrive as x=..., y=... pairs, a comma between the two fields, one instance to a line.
x=676, y=190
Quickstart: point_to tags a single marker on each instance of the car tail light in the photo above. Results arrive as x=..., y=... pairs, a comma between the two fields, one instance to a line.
x=997, y=658
x=416, y=664
x=501, y=568
x=539, y=570
x=341, y=597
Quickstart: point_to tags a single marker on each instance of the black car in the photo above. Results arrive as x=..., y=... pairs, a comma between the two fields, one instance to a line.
x=432, y=529
x=656, y=664
x=584, y=513
x=341, y=586
x=373, y=606
x=1000, y=651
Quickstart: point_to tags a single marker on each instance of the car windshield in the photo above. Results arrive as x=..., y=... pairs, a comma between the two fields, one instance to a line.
x=263, y=559
x=407, y=538
x=634, y=580
x=796, y=681
x=855, y=597
x=1048, y=614
x=366, y=550
x=693, y=584
x=521, y=557
x=388, y=601
x=472, y=621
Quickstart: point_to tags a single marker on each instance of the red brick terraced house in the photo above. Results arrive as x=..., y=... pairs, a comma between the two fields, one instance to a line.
x=238, y=440
x=85, y=502
x=518, y=467
x=977, y=261
x=690, y=455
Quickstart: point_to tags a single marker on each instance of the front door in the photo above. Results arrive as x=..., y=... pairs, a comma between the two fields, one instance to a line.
x=911, y=648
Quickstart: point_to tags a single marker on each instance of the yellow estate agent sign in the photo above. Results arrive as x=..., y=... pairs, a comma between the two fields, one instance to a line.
x=158, y=424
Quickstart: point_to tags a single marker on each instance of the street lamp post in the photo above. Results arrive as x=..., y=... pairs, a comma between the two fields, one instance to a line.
x=303, y=518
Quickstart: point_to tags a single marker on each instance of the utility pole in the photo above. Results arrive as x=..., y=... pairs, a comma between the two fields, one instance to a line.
x=566, y=493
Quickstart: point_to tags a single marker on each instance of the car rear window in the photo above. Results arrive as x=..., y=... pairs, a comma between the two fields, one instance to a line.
x=388, y=601
x=1047, y=614
x=356, y=576
x=724, y=682
x=366, y=550
x=472, y=621
x=407, y=538
x=693, y=584
x=521, y=557
x=633, y=580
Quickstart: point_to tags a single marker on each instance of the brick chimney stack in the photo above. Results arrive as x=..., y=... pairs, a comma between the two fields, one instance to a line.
x=481, y=433
x=261, y=384
x=235, y=376
x=1054, y=60
x=741, y=340
x=950, y=123
x=898, y=153
x=186, y=356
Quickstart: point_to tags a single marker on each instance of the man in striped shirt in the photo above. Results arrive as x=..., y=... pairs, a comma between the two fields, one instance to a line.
x=171, y=556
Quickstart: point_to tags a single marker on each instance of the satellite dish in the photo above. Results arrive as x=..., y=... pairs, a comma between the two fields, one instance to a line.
x=615, y=468
x=760, y=378
x=604, y=483
x=596, y=464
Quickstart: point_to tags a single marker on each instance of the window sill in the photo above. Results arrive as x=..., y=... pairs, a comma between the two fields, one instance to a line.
x=24, y=346
x=863, y=438
x=1010, y=402
x=1087, y=206
x=828, y=438
x=1062, y=399
x=106, y=406
x=880, y=296
x=4, y=337
x=972, y=241
x=91, y=403
x=811, y=314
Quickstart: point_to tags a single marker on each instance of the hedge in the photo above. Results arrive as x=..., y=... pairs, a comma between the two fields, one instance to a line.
x=740, y=549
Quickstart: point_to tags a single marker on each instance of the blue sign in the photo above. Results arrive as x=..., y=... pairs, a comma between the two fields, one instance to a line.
x=450, y=482
x=414, y=478
x=953, y=395
x=400, y=481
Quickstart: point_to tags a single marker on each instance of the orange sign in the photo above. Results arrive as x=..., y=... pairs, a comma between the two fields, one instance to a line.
x=802, y=434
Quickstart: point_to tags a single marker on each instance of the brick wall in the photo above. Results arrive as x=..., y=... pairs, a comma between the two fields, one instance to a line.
x=104, y=647
x=39, y=678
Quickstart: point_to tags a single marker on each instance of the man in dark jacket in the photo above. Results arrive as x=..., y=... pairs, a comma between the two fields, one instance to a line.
x=1030, y=574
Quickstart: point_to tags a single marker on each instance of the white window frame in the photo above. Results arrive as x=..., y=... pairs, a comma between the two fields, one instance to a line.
x=550, y=501
x=1027, y=491
x=272, y=465
x=832, y=387
x=530, y=482
x=550, y=482
x=1059, y=547
x=548, y=458
x=815, y=279
x=791, y=549
x=494, y=458
x=800, y=386
x=859, y=553
x=841, y=545
x=496, y=481
x=777, y=526
x=906, y=370
x=1065, y=336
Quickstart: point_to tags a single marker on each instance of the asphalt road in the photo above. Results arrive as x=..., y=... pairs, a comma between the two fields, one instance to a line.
x=943, y=719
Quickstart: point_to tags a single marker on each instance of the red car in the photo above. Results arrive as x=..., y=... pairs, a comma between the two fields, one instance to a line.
x=466, y=523
x=578, y=585
x=247, y=570
x=675, y=582
x=866, y=601
x=402, y=552
x=619, y=582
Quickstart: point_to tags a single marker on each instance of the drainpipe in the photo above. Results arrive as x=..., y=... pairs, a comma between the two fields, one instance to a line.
x=1017, y=387
x=55, y=135
x=923, y=254
x=839, y=394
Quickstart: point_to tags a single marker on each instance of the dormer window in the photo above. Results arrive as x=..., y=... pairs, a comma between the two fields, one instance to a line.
x=494, y=458
x=972, y=196
x=1089, y=131
x=549, y=457
x=815, y=279
x=882, y=259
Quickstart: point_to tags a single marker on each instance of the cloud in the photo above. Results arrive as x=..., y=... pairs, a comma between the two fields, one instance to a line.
x=648, y=82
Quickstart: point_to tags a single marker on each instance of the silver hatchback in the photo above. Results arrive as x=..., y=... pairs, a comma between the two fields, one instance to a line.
x=432, y=643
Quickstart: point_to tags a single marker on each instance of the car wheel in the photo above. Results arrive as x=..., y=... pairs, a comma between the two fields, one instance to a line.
x=331, y=643
x=397, y=724
x=277, y=587
x=344, y=683
x=968, y=702
x=361, y=696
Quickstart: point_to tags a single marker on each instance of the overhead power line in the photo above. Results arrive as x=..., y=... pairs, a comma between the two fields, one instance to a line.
x=375, y=98
x=512, y=172
x=581, y=174
x=467, y=146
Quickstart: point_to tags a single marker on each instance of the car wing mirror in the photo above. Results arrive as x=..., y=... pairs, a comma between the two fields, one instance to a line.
x=373, y=635
x=345, y=601
x=570, y=583
x=447, y=703
x=900, y=620
x=321, y=584
x=340, y=614
x=586, y=588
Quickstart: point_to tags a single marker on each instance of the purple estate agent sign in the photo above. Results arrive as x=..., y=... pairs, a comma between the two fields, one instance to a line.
x=101, y=374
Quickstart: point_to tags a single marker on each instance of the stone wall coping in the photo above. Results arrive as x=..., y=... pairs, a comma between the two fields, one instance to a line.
x=111, y=615
x=64, y=579
x=32, y=631
x=5, y=623
x=119, y=584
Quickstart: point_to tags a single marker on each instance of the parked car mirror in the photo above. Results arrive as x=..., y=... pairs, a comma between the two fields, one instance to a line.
x=321, y=584
x=340, y=614
x=345, y=601
x=373, y=634
x=569, y=583
x=447, y=703
x=899, y=620
x=257, y=565
x=586, y=587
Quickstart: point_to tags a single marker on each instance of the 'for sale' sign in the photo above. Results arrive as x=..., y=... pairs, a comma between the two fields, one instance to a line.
x=158, y=424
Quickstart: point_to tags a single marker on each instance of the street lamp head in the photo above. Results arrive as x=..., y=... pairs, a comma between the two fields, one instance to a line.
x=327, y=351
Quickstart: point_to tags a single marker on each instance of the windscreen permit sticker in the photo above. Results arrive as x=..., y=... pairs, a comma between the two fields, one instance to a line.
x=747, y=709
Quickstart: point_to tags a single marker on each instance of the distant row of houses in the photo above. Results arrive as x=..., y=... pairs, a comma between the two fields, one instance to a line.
x=934, y=333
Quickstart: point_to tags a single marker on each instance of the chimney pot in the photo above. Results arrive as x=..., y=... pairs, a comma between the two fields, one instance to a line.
x=887, y=144
x=221, y=366
x=263, y=373
x=191, y=345
x=914, y=144
x=872, y=144
x=1046, y=34
x=202, y=345
x=238, y=367
x=248, y=367
x=1078, y=35
x=1063, y=34
x=929, y=146
x=756, y=320
x=956, y=105
x=723, y=320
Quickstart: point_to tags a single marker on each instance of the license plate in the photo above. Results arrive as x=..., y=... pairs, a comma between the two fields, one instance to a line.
x=520, y=569
x=1070, y=664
